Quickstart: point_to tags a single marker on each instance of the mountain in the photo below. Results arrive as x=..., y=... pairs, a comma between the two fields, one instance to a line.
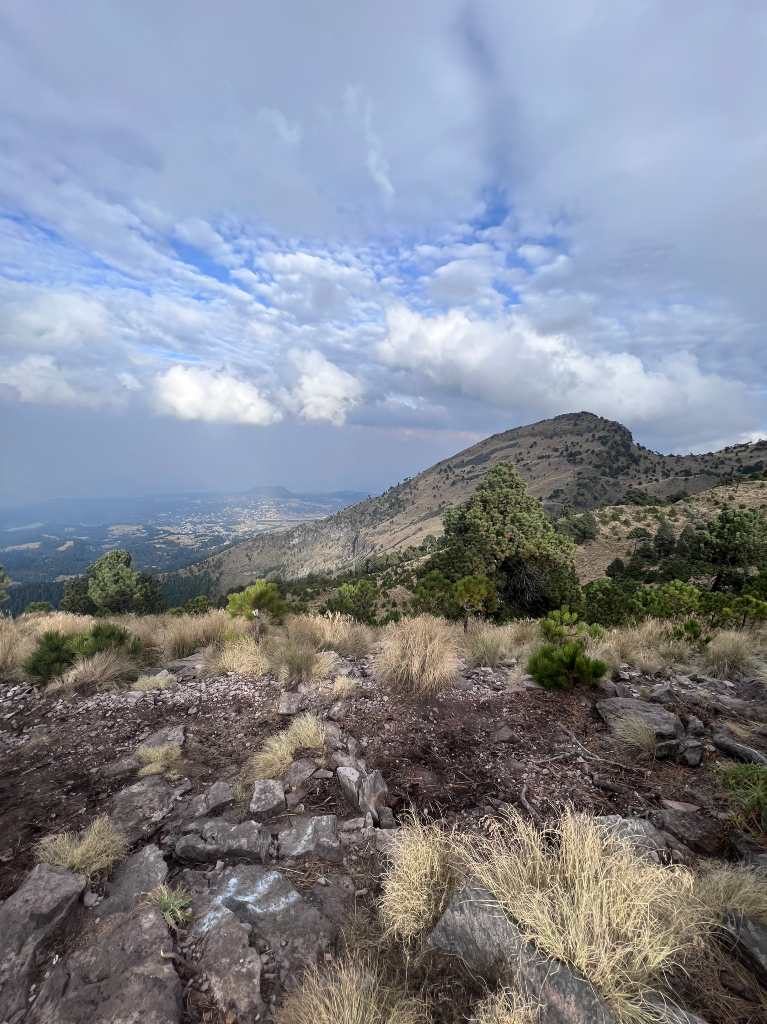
x=577, y=460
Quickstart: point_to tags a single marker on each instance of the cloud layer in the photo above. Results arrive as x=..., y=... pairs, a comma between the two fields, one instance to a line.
x=461, y=216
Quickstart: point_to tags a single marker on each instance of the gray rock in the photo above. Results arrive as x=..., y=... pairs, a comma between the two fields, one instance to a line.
x=648, y=842
x=139, y=874
x=233, y=969
x=349, y=779
x=263, y=898
x=751, y=943
x=662, y=693
x=219, y=840
x=299, y=773
x=699, y=832
x=139, y=810
x=691, y=752
x=739, y=751
x=289, y=704
x=374, y=794
x=216, y=798
x=312, y=837
x=169, y=734
x=118, y=977
x=337, y=711
x=268, y=799
x=749, y=850
x=679, y=805
x=30, y=919
x=665, y=724
x=386, y=818
x=694, y=726
x=476, y=929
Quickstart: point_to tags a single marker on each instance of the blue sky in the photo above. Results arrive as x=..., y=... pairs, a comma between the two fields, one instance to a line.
x=325, y=245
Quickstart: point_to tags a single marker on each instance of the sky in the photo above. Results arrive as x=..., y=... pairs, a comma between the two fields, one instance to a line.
x=325, y=244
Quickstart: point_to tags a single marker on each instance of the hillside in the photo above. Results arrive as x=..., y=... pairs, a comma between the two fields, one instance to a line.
x=577, y=460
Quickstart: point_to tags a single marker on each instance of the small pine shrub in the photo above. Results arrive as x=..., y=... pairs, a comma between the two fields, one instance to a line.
x=563, y=667
x=52, y=656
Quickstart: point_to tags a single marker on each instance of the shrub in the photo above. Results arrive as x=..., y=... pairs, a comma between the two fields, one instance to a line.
x=474, y=595
x=565, y=666
x=584, y=897
x=51, y=657
x=278, y=752
x=162, y=760
x=103, y=636
x=341, y=633
x=173, y=904
x=94, y=851
x=641, y=646
x=357, y=600
x=729, y=654
x=348, y=992
x=417, y=656
x=418, y=883
x=261, y=596
x=100, y=672
x=747, y=786
x=186, y=634
x=563, y=626
x=38, y=608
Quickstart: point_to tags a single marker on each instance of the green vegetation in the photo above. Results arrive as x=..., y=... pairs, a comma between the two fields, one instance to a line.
x=474, y=595
x=111, y=586
x=4, y=582
x=747, y=785
x=52, y=656
x=563, y=666
x=261, y=596
x=36, y=607
x=358, y=600
x=173, y=904
x=55, y=651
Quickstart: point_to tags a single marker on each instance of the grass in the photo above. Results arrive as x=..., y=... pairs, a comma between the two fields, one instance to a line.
x=162, y=760
x=486, y=645
x=418, y=883
x=505, y=1007
x=583, y=896
x=729, y=654
x=305, y=732
x=242, y=655
x=15, y=647
x=162, y=681
x=344, y=686
x=335, y=632
x=182, y=635
x=635, y=732
x=348, y=992
x=101, y=671
x=639, y=646
x=173, y=904
x=417, y=656
x=747, y=787
x=295, y=657
x=737, y=888
x=94, y=851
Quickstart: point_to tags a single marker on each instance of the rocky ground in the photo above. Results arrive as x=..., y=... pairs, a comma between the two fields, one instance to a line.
x=277, y=878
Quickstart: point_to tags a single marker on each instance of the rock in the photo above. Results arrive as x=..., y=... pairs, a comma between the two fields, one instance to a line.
x=30, y=919
x=737, y=750
x=290, y=703
x=352, y=825
x=374, y=794
x=750, y=937
x=385, y=840
x=139, y=874
x=665, y=724
x=337, y=711
x=608, y=688
x=697, y=831
x=694, y=726
x=233, y=969
x=175, y=734
x=139, y=810
x=263, y=898
x=475, y=928
x=216, y=798
x=299, y=773
x=648, y=842
x=662, y=693
x=386, y=818
x=748, y=849
x=691, y=752
x=349, y=779
x=313, y=837
x=503, y=735
x=163, y=678
x=217, y=839
x=679, y=805
x=117, y=977
x=268, y=799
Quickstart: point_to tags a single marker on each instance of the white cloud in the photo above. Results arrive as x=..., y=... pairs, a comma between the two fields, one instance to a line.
x=39, y=379
x=323, y=391
x=49, y=320
x=193, y=393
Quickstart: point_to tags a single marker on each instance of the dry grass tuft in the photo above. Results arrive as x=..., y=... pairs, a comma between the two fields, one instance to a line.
x=173, y=904
x=182, y=635
x=15, y=647
x=94, y=851
x=505, y=1007
x=345, y=636
x=487, y=645
x=585, y=898
x=420, y=878
x=418, y=656
x=635, y=732
x=162, y=760
x=349, y=992
x=242, y=655
x=62, y=622
x=643, y=646
x=305, y=732
x=729, y=654
x=161, y=681
x=740, y=889
x=296, y=657
x=345, y=686
x=101, y=671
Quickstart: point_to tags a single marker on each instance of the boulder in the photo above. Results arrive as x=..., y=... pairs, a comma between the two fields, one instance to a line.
x=374, y=794
x=267, y=800
x=475, y=928
x=117, y=977
x=233, y=969
x=665, y=724
x=349, y=779
x=647, y=841
x=175, y=734
x=215, y=799
x=217, y=839
x=750, y=937
x=30, y=920
x=299, y=773
x=312, y=837
x=139, y=874
x=661, y=693
x=739, y=751
x=691, y=752
x=699, y=832
x=139, y=810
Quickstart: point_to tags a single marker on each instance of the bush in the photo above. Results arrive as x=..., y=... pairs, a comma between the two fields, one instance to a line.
x=486, y=645
x=357, y=600
x=95, y=851
x=728, y=654
x=38, y=607
x=417, y=656
x=563, y=667
x=100, y=671
x=563, y=626
x=52, y=656
x=261, y=596
x=242, y=655
x=104, y=636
